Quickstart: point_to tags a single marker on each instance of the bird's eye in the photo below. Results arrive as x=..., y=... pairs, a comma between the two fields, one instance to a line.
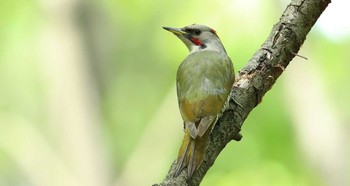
x=191, y=31
x=197, y=32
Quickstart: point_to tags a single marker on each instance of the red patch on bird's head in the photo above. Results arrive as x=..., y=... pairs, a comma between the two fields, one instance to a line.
x=196, y=41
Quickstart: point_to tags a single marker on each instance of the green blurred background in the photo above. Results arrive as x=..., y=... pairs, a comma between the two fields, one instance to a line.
x=87, y=94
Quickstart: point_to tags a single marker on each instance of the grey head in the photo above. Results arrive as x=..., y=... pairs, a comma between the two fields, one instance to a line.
x=198, y=37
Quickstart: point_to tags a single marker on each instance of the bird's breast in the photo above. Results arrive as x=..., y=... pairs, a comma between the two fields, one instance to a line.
x=204, y=81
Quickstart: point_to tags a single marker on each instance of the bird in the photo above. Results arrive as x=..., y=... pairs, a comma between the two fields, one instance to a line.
x=204, y=81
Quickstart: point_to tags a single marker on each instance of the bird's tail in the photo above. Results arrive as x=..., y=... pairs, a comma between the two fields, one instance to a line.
x=191, y=153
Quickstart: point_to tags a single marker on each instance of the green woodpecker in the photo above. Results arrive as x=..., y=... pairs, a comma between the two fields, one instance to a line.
x=204, y=81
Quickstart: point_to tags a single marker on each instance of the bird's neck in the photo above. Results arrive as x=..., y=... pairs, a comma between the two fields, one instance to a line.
x=214, y=45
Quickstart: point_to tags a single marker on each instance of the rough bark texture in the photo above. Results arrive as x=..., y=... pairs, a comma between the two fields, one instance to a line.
x=255, y=79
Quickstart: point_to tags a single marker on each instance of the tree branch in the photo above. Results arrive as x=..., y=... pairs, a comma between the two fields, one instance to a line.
x=255, y=79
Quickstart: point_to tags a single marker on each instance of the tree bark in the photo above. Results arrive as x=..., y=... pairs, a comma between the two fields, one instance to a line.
x=255, y=79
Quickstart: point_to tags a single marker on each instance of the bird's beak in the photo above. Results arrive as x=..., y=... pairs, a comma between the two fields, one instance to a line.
x=176, y=31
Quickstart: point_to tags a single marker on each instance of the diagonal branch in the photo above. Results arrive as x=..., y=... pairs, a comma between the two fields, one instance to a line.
x=255, y=79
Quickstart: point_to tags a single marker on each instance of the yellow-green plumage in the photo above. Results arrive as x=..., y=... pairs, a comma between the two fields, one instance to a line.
x=204, y=81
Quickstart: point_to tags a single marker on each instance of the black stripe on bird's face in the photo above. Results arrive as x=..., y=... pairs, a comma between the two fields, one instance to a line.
x=192, y=31
x=193, y=36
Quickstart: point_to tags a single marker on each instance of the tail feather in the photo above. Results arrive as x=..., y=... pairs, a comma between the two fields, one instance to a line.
x=192, y=163
x=182, y=157
x=191, y=154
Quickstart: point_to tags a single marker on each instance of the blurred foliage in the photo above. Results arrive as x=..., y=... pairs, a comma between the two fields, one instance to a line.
x=131, y=64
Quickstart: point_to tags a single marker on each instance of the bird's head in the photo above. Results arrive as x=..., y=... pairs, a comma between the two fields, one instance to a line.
x=198, y=37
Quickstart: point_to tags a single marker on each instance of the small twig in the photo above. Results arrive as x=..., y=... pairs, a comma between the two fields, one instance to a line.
x=300, y=56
